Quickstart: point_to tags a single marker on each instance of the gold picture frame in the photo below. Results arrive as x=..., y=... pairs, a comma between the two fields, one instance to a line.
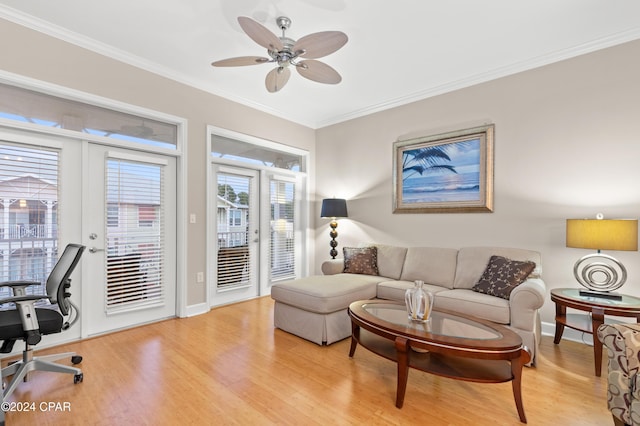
x=444, y=173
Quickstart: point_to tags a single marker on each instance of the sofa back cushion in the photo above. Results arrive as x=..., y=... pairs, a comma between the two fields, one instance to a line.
x=472, y=261
x=430, y=264
x=390, y=259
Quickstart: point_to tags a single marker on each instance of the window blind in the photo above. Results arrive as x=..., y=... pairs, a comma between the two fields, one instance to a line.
x=134, y=209
x=233, y=261
x=282, y=248
x=28, y=214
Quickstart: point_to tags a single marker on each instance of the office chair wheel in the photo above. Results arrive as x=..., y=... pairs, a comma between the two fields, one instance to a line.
x=76, y=359
x=78, y=378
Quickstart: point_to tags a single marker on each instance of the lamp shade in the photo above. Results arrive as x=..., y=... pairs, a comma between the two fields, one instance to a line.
x=334, y=207
x=603, y=234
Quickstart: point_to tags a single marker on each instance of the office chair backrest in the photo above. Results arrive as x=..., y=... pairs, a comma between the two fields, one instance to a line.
x=60, y=274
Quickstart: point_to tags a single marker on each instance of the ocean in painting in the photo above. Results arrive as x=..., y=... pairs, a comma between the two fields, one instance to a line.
x=442, y=187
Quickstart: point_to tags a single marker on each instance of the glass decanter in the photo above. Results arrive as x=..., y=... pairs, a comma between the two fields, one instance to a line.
x=419, y=302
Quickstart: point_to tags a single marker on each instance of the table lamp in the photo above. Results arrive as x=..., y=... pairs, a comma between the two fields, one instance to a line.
x=333, y=208
x=601, y=273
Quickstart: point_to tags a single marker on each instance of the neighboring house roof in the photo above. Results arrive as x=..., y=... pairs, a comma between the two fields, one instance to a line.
x=29, y=186
x=223, y=202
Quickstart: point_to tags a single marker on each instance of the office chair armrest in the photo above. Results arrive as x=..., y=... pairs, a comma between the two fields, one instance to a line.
x=25, y=305
x=18, y=299
x=21, y=283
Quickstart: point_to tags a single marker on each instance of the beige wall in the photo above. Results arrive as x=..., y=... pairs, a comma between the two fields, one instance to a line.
x=35, y=55
x=567, y=145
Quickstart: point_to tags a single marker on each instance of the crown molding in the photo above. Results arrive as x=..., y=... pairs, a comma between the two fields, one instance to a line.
x=582, y=49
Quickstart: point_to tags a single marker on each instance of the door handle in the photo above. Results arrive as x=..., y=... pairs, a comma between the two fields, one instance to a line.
x=94, y=250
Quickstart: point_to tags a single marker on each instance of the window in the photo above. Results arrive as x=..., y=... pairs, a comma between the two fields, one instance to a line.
x=146, y=216
x=282, y=195
x=113, y=215
x=235, y=218
x=248, y=153
x=52, y=111
x=135, y=247
x=28, y=214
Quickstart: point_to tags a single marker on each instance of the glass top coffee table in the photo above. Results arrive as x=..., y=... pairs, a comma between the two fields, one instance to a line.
x=449, y=345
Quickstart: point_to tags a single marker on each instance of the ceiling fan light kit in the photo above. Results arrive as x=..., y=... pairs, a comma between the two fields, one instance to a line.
x=286, y=52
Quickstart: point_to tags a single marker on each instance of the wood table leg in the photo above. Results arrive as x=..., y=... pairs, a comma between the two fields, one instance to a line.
x=597, y=319
x=561, y=311
x=355, y=334
x=402, y=351
x=516, y=383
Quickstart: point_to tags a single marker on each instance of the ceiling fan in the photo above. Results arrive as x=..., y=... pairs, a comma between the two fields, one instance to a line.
x=285, y=52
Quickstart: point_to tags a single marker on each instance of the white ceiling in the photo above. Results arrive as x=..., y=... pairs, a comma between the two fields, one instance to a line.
x=398, y=52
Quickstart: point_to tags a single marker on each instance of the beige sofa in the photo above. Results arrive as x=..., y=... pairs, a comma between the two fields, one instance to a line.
x=315, y=307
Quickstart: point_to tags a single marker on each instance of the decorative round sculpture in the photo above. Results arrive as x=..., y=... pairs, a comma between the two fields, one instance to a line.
x=600, y=272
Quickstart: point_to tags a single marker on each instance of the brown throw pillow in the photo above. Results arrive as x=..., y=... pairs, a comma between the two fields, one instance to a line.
x=502, y=275
x=360, y=260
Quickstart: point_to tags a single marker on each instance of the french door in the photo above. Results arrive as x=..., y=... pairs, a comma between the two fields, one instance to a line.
x=130, y=233
x=236, y=203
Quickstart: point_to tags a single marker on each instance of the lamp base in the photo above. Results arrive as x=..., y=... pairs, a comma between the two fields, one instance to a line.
x=601, y=294
x=600, y=273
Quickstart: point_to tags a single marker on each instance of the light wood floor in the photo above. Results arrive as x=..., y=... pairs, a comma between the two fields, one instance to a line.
x=231, y=366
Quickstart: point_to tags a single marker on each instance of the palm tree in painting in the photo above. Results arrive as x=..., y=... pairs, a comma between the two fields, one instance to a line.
x=426, y=159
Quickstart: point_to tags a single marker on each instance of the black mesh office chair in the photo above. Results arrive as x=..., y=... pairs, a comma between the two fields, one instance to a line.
x=28, y=321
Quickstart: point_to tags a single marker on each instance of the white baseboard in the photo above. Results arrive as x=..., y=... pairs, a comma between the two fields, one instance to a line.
x=193, y=310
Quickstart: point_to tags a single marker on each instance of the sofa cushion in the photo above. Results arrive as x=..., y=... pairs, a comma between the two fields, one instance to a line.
x=326, y=293
x=390, y=259
x=431, y=265
x=502, y=275
x=475, y=304
x=360, y=260
x=396, y=290
x=472, y=262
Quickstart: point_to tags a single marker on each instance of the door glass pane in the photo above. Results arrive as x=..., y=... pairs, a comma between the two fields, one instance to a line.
x=135, y=235
x=28, y=214
x=282, y=230
x=233, y=230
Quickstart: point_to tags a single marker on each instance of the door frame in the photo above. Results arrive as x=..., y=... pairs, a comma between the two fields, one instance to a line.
x=32, y=131
x=231, y=295
x=130, y=317
x=264, y=287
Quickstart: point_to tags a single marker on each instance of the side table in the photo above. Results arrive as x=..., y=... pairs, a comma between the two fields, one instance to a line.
x=598, y=307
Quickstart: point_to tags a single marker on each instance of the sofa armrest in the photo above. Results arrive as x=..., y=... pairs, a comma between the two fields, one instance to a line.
x=623, y=344
x=525, y=300
x=332, y=267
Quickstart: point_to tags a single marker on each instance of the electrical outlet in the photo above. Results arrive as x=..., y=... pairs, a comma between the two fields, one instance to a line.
x=200, y=277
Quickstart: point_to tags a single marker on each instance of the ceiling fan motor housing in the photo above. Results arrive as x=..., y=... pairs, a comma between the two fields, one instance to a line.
x=286, y=55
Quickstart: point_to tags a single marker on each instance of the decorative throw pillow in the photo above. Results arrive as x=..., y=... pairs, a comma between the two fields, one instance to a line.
x=360, y=260
x=502, y=275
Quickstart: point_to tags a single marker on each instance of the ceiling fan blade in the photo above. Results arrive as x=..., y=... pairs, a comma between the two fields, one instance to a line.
x=260, y=34
x=240, y=61
x=318, y=71
x=277, y=78
x=321, y=44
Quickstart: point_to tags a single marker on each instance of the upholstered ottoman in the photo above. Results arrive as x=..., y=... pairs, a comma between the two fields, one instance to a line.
x=315, y=307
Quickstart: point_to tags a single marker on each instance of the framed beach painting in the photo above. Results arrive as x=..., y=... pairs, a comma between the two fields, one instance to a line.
x=445, y=173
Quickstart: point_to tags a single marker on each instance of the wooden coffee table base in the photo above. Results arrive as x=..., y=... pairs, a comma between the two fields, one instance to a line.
x=443, y=364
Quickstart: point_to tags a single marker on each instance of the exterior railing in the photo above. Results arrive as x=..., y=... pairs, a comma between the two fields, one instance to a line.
x=19, y=232
x=232, y=239
x=27, y=259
